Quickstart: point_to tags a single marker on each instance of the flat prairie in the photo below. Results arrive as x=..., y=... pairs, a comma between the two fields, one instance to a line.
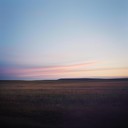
x=64, y=104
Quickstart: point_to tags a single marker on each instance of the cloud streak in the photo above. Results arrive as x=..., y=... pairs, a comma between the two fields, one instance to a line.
x=86, y=69
x=46, y=70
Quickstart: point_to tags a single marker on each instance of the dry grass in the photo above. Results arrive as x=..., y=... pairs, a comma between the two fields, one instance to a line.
x=55, y=104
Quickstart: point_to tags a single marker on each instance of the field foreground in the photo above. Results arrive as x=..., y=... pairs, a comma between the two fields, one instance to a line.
x=64, y=104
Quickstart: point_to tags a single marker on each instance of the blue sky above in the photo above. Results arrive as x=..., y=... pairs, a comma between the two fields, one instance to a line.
x=42, y=37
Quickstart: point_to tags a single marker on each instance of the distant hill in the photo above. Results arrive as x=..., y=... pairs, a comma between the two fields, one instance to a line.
x=93, y=79
x=69, y=80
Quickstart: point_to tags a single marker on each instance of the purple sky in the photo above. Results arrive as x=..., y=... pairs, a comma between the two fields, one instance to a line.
x=51, y=39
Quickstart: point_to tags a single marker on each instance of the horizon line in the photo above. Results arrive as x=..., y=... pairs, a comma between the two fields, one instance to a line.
x=81, y=78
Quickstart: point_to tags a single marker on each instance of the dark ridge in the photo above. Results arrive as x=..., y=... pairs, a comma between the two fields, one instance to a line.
x=93, y=79
x=69, y=79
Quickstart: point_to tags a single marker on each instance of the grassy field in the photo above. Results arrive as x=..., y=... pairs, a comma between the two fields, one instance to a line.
x=64, y=104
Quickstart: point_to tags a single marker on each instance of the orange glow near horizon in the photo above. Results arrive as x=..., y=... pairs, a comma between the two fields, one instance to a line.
x=69, y=71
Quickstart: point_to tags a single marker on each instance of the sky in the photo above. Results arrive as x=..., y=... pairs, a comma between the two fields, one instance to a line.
x=52, y=39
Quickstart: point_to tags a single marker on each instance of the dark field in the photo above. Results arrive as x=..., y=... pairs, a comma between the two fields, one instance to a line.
x=64, y=104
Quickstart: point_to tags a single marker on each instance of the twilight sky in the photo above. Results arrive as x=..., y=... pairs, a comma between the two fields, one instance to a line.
x=51, y=39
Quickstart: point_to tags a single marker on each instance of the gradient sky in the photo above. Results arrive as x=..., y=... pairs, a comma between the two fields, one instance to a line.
x=51, y=39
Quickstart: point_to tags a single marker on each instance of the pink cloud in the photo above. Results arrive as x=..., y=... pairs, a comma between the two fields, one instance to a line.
x=72, y=70
x=47, y=71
